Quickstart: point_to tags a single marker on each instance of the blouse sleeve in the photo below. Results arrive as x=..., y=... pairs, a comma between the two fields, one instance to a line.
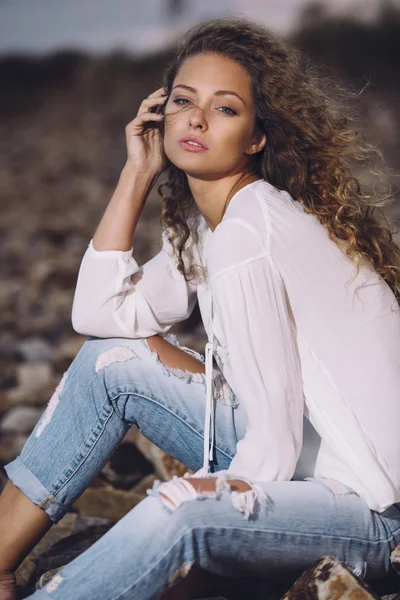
x=264, y=371
x=114, y=297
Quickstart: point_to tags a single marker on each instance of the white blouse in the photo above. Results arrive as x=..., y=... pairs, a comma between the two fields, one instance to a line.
x=313, y=357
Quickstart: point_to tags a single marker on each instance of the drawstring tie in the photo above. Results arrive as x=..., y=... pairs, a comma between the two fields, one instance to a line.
x=209, y=417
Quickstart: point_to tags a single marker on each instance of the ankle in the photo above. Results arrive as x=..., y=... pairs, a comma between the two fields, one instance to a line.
x=8, y=585
x=7, y=577
x=22, y=525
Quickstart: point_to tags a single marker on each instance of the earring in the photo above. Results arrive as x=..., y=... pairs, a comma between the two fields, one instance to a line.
x=251, y=149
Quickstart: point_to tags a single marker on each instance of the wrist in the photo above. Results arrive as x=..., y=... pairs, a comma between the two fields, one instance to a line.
x=132, y=173
x=134, y=184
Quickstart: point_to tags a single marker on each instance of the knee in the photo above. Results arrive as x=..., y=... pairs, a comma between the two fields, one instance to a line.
x=102, y=352
x=88, y=369
x=183, y=492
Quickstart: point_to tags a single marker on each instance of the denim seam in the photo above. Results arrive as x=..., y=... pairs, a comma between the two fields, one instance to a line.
x=120, y=392
x=150, y=399
x=294, y=533
x=84, y=458
x=297, y=533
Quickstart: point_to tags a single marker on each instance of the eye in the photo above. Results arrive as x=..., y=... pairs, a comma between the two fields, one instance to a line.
x=179, y=100
x=232, y=112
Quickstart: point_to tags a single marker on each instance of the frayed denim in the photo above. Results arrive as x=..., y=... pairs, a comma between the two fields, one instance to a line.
x=113, y=384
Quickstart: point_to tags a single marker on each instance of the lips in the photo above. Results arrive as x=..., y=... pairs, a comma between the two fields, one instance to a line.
x=193, y=138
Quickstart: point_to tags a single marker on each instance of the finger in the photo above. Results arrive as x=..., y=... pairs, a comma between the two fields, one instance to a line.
x=143, y=118
x=150, y=103
x=158, y=92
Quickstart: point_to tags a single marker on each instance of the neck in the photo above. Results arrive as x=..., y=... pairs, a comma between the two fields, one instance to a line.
x=212, y=197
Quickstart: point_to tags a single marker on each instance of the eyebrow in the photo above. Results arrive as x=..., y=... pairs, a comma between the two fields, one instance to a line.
x=218, y=93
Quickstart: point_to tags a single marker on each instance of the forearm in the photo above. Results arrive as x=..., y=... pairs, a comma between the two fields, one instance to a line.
x=118, y=224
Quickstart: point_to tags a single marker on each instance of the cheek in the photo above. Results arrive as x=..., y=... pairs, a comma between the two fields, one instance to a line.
x=169, y=153
x=232, y=145
x=171, y=127
x=232, y=132
x=169, y=142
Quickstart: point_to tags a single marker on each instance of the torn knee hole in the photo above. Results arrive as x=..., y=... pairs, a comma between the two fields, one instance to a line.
x=54, y=583
x=114, y=354
x=237, y=485
x=245, y=497
x=184, y=375
x=187, y=376
x=51, y=406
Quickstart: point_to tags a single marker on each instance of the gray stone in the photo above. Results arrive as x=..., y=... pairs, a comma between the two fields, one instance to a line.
x=21, y=419
x=11, y=445
x=8, y=376
x=35, y=349
x=31, y=377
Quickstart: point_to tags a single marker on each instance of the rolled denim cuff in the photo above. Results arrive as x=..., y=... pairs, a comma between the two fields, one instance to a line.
x=34, y=490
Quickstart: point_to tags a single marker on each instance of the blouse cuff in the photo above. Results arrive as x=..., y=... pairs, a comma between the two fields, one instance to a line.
x=119, y=254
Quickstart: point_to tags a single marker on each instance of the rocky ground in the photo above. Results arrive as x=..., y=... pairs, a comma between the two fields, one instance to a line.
x=62, y=147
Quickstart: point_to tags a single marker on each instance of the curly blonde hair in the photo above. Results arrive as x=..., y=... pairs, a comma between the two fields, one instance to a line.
x=313, y=151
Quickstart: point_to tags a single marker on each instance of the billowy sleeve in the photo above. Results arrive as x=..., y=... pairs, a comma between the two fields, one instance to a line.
x=115, y=297
x=251, y=306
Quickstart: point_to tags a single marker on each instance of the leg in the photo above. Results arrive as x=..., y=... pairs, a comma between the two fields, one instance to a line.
x=111, y=384
x=13, y=503
x=22, y=525
x=172, y=356
x=153, y=548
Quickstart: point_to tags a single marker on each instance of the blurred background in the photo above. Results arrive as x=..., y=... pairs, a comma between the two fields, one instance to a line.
x=73, y=74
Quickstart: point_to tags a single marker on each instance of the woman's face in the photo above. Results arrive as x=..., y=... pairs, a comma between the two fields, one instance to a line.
x=199, y=105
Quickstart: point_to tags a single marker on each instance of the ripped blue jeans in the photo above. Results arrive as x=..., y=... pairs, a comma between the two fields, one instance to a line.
x=114, y=383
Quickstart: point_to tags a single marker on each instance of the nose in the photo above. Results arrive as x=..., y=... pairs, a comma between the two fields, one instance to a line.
x=197, y=118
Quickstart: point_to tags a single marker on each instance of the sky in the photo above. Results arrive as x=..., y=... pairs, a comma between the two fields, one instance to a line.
x=139, y=26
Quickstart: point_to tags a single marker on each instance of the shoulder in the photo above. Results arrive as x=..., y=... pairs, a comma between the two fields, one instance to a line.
x=243, y=232
x=233, y=244
x=252, y=219
x=261, y=205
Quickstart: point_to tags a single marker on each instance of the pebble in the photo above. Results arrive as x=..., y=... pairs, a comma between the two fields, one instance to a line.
x=31, y=377
x=21, y=419
x=35, y=349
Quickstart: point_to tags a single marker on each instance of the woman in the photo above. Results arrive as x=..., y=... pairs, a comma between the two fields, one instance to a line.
x=268, y=161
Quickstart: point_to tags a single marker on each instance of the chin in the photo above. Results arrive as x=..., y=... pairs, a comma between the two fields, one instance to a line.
x=189, y=164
